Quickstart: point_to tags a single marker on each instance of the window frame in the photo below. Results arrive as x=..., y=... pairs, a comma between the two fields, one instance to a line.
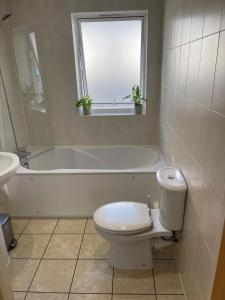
x=77, y=19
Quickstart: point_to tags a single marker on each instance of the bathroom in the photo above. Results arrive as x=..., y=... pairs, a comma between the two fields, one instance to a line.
x=76, y=160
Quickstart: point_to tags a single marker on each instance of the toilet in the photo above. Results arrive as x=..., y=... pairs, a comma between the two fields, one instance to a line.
x=133, y=229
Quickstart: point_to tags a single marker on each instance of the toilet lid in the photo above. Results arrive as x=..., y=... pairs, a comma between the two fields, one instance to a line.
x=123, y=217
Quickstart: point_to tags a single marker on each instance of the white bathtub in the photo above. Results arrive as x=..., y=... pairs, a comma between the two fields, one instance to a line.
x=74, y=181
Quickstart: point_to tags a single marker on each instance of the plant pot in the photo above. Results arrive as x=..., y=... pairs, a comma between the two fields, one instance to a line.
x=138, y=109
x=87, y=111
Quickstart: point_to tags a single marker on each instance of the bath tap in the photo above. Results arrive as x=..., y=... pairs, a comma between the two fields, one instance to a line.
x=23, y=155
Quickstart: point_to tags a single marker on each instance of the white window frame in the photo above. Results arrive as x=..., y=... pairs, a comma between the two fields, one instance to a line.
x=77, y=18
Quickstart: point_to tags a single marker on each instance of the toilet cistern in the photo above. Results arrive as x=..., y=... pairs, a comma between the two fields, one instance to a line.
x=173, y=190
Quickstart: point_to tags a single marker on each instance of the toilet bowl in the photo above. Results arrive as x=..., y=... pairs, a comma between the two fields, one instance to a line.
x=133, y=229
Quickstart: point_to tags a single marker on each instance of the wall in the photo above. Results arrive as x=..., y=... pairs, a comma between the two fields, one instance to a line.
x=9, y=76
x=61, y=125
x=192, y=130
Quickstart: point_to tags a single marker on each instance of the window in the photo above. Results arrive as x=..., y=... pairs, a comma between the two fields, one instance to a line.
x=110, y=54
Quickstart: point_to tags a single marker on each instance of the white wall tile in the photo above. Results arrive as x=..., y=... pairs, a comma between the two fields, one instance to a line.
x=37, y=11
x=207, y=68
x=215, y=164
x=223, y=16
x=60, y=11
x=184, y=57
x=197, y=19
x=193, y=69
x=178, y=23
x=212, y=16
x=186, y=24
x=210, y=224
x=218, y=102
x=203, y=268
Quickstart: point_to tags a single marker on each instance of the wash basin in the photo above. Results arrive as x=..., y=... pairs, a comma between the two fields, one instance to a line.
x=9, y=164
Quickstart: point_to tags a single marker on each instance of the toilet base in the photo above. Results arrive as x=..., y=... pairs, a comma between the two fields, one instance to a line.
x=134, y=251
x=131, y=255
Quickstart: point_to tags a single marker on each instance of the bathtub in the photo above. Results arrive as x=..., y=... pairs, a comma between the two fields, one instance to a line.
x=74, y=181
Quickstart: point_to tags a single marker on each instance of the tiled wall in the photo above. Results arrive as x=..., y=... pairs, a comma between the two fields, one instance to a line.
x=192, y=130
x=9, y=77
x=51, y=21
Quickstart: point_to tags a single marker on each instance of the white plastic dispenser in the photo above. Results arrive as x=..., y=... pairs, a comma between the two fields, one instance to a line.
x=173, y=189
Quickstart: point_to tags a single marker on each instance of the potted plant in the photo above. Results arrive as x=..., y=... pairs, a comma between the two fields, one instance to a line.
x=85, y=102
x=137, y=99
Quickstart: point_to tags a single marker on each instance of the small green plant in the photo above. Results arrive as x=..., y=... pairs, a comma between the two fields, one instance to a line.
x=86, y=103
x=136, y=96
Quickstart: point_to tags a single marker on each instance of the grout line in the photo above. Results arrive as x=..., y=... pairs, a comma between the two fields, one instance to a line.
x=77, y=259
x=143, y=294
x=93, y=293
x=182, y=284
x=113, y=282
x=103, y=259
x=37, y=258
x=19, y=234
x=28, y=222
x=153, y=277
x=41, y=259
x=159, y=294
x=215, y=68
x=61, y=293
x=192, y=40
x=56, y=233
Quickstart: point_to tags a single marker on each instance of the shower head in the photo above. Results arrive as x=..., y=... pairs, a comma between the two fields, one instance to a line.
x=5, y=17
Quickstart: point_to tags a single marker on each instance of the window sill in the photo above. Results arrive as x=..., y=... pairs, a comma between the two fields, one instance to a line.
x=98, y=110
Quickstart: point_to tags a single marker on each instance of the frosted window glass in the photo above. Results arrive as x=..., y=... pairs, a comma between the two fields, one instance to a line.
x=112, y=55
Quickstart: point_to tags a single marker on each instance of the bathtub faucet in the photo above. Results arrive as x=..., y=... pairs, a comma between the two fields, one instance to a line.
x=23, y=155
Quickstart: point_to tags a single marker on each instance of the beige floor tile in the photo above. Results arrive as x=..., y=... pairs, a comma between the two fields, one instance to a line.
x=19, y=295
x=134, y=297
x=64, y=246
x=30, y=246
x=53, y=276
x=133, y=282
x=70, y=226
x=164, y=253
x=21, y=272
x=93, y=247
x=167, y=280
x=90, y=228
x=170, y=297
x=90, y=297
x=17, y=235
x=92, y=276
x=41, y=226
x=19, y=225
x=46, y=296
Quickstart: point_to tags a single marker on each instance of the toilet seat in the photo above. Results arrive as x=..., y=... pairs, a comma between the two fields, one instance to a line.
x=123, y=218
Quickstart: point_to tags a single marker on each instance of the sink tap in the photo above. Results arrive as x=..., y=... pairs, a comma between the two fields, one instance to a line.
x=23, y=155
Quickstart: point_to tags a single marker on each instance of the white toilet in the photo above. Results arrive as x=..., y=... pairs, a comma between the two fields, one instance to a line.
x=133, y=229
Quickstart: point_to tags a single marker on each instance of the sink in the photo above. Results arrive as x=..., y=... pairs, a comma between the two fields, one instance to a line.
x=9, y=164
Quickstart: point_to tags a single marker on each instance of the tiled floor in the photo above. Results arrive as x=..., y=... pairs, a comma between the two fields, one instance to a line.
x=66, y=260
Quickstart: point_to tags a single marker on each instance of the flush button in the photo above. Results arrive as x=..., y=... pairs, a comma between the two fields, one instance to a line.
x=170, y=177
